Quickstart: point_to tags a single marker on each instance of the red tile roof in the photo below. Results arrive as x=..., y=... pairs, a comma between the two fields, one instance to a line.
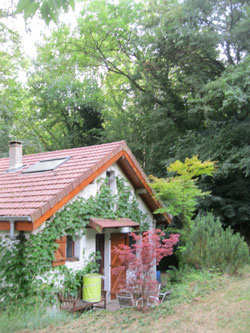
x=39, y=195
x=100, y=224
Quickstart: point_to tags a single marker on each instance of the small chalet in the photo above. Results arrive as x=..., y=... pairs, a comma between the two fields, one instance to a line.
x=34, y=187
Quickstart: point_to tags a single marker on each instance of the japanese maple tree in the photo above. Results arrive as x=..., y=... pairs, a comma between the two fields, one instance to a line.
x=139, y=262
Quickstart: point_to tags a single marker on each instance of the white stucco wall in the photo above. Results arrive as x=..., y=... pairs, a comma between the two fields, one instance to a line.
x=6, y=233
x=92, y=189
x=142, y=205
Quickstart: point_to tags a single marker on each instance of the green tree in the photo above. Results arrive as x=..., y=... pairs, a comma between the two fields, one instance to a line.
x=64, y=106
x=222, y=134
x=49, y=10
x=180, y=191
x=229, y=19
x=11, y=91
x=149, y=57
x=209, y=246
x=65, y=111
x=152, y=59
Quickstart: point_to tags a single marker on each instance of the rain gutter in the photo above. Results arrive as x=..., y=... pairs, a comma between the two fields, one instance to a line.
x=12, y=220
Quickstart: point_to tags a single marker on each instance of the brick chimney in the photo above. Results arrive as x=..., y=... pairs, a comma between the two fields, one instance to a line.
x=15, y=155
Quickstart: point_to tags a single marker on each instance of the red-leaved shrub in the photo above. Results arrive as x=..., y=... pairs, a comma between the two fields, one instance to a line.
x=139, y=262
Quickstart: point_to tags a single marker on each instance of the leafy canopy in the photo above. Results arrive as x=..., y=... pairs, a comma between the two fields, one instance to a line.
x=48, y=9
x=180, y=191
x=12, y=94
x=221, y=132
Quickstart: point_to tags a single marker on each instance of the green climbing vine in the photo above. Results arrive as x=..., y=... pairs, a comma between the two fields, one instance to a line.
x=26, y=264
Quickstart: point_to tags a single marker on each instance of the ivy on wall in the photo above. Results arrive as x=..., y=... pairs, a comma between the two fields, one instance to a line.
x=27, y=258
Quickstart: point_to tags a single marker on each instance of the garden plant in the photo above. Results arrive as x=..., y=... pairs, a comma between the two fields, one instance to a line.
x=139, y=263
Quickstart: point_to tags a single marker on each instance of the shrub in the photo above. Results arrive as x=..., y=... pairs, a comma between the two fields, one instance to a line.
x=139, y=262
x=73, y=280
x=209, y=246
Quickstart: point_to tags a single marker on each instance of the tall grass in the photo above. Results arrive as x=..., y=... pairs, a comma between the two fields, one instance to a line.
x=187, y=284
x=21, y=317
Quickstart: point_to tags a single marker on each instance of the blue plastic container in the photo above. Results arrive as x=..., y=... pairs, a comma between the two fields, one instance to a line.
x=158, y=276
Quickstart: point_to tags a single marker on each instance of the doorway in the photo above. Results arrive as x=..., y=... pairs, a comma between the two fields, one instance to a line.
x=116, y=239
x=100, y=239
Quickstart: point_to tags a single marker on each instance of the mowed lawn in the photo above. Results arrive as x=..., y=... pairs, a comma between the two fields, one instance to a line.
x=217, y=304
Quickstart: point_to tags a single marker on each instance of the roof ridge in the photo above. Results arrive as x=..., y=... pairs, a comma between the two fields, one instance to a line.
x=122, y=142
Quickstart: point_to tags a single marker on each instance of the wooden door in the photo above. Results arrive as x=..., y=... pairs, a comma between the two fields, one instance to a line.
x=116, y=239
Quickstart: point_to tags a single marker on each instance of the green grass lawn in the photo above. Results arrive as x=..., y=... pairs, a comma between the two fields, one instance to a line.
x=200, y=302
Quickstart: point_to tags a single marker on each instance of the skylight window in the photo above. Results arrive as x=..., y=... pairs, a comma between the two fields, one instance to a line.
x=46, y=165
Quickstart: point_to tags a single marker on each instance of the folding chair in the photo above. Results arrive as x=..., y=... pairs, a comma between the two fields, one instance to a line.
x=125, y=299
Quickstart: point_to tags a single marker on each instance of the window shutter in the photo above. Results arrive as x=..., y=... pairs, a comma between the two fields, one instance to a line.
x=60, y=253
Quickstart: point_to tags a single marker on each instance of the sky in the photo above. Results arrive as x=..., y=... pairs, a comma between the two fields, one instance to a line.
x=32, y=31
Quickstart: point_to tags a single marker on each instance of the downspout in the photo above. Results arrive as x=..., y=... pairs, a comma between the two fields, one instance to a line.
x=12, y=229
x=12, y=220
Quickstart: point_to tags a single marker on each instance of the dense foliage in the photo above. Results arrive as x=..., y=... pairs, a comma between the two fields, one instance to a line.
x=168, y=76
x=12, y=97
x=222, y=135
x=49, y=10
x=181, y=191
x=209, y=246
x=26, y=264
